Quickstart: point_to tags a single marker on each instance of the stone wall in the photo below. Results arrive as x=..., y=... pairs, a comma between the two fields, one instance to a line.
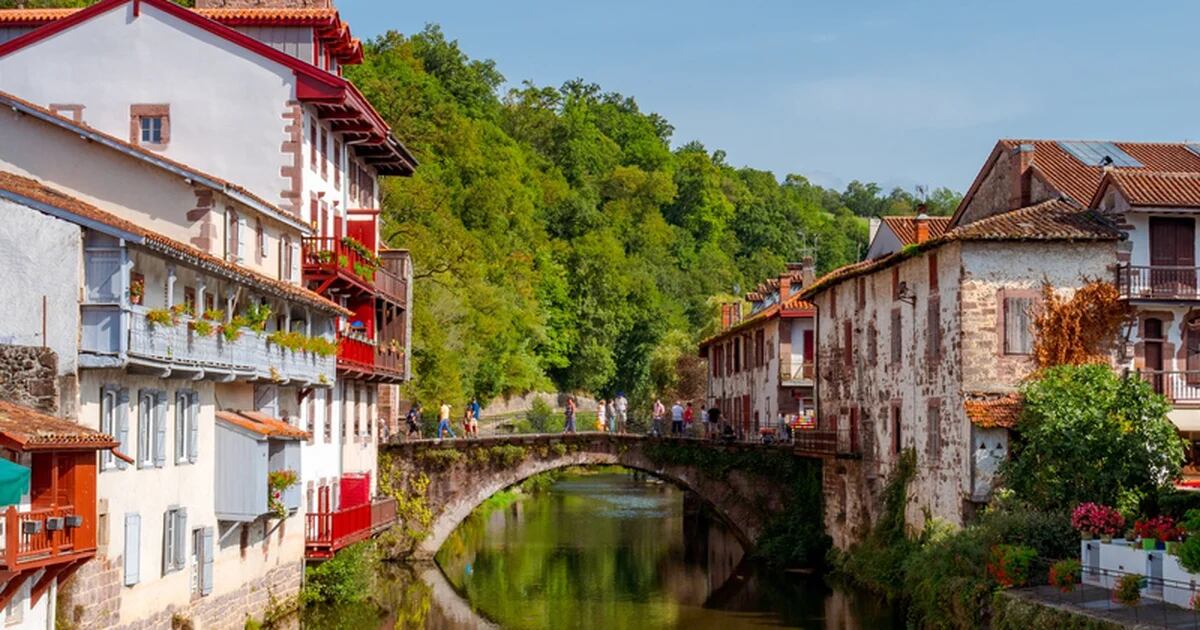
x=91, y=599
x=29, y=377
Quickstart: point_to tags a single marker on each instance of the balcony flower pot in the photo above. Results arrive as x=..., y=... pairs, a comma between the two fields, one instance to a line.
x=1086, y=535
x=55, y=523
x=1130, y=537
x=75, y=520
x=1149, y=544
x=31, y=527
x=1106, y=539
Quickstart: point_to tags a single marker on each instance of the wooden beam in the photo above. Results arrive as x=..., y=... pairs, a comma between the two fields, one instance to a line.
x=44, y=582
x=13, y=587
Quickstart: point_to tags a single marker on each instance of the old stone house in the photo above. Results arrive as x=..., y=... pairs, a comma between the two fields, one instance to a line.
x=760, y=367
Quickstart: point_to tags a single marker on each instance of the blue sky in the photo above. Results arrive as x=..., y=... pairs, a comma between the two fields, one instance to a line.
x=901, y=93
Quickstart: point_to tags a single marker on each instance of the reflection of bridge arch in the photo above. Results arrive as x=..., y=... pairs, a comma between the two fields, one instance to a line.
x=745, y=499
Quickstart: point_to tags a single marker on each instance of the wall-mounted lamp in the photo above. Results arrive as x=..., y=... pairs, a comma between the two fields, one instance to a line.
x=907, y=295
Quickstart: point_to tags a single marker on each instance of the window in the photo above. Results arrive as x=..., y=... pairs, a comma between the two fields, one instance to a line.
x=1018, y=336
x=327, y=428
x=737, y=355
x=189, y=300
x=187, y=431
x=312, y=142
x=933, y=443
x=145, y=438
x=933, y=325
x=847, y=344
x=861, y=288
x=760, y=349
x=150, y=125
x=311, y=410
x=108, y=423
x=74, y=112
x=314, y=215
x=370, y=405
x=872, y=344
x=324, y=154
x=897, y=437
x=357, y=413
x=342, y=424
x=285, y=258
x=833, y=302
x=261, y=234
x=174, y=547
x=896, y=333
x=933, y=272
x=895, y=283
x=232, y=236
x=337, y=165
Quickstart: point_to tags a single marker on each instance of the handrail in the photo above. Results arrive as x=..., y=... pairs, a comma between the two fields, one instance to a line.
x=328, y=252
x=1175, y=385
x=1158, y=282
x=21, y=546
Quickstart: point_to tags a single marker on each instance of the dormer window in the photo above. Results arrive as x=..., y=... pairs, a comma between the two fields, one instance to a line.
x=150, y=126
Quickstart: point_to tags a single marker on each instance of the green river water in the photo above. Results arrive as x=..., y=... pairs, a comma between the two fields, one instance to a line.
x=606, y=550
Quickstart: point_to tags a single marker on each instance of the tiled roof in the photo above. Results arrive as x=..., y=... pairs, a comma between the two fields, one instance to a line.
x=790, y=308
x=905, y=228
x=23, y=428
x=991, y=410
x=1079, y=181
x=1053, y=220
x=289, y=15
x=1153, y=188
x=33, y=16
x=262, y=424
x=41, y=193
x=201, y=177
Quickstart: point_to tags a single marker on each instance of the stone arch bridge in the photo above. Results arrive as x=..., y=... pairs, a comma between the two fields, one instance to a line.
x=439, y=483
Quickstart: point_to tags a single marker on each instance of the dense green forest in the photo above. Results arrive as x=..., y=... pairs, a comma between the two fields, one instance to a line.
x=561, y=242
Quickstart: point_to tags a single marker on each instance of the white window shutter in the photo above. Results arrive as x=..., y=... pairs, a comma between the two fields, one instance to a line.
x=294, y=272
x=160, y=429
x=193, y=427
x=133, y=540
x=123, y=426
x=180, y=538
x=182, y=405
x=168, y=541
x=243, y=229
x=206, y=571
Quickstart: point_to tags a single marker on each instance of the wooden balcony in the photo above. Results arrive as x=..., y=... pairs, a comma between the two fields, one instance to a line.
x=1180, y=387
x=43, y=536
x=1158, y=283
x=843, y=442
x=326, y=533
x=328, y=261
x=364, y=359
x=391, y=287
x=798, y=373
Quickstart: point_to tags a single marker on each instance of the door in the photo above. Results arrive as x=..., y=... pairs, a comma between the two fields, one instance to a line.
x=1154, y=364
x=1172, y=257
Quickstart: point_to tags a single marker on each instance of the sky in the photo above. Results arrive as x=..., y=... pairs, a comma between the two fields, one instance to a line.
x=900, y=93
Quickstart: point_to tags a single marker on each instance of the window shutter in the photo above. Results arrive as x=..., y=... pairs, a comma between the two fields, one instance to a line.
x=160, y=429
x=206, y=572
x=180, y=538
x=181, y=428
x=294, y=272
x=193, y=427
x=243, y=228
x=168, y=540
x=1017, y=335
x=133, y=539
x=123, y=426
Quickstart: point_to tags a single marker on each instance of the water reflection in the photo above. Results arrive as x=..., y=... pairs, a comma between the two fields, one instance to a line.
x=600, y=551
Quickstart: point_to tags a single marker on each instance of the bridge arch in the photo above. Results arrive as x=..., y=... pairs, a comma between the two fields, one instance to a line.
x=462, y=474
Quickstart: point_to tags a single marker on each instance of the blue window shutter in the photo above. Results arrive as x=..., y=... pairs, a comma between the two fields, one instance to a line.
x=144, y=426
x=182, y=403
x=193, y=422
x=168, y=540
x=160, y=429
x=133, y=540
x=181, y=531
x=206, y=571
x=123, y=426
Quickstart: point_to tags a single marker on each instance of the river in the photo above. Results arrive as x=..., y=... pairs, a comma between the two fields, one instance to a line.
x=601, y=550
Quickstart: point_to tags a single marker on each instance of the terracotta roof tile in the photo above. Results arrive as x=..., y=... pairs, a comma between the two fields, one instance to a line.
x=1079, y=181
x=1154, y=188
x=991, y=410
x=23, y=428
x=1053, y=220
x=262, y=424
x=41, y=193
x=33, y=16
x=905, y=228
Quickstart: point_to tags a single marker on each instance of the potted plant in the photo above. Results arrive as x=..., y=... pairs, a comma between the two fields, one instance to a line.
x=202, y=327
x=137, y=288
x=214, y=315
x=1091, y=519
x=277, y=482
x=1063, y=574
x=1156, y=531
x=160, y=317
x=1128, y=590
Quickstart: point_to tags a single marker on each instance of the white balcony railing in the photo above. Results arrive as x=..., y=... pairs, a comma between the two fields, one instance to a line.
x=250, y=357
x=796, y=371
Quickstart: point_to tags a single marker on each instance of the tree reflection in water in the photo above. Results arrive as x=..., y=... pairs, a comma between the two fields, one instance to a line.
x=606, y=550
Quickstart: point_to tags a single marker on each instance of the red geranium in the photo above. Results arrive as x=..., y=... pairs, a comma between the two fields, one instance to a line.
x=1159, y=528
x=1098, y=519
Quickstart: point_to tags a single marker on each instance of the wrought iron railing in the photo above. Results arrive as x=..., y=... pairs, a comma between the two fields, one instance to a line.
x=1176, y=386
x=1156, y=282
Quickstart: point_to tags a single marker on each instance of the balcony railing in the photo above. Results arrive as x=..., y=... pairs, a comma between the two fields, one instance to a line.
x=251, y=356
x=391, y=286
x=366, y=357
x=327, y=532
x=1158, y=282
x=41, y=536
x=797, y=372
x=331, y=255
x=1178, y=387
x=843, y=442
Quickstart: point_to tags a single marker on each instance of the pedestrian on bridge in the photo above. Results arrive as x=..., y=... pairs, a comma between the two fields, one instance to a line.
x=677, y=419
x=659, y=414
x=569, y=426
x=444, y=421
x=601, y=421
x=413, y=420
x=620, y=406
x=610, y=412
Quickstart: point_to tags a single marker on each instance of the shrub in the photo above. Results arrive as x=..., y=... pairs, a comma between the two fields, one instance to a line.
x=343, y=579
x=1189, y=551
x=1063, y=574
x=541, y=417
x=1128, y=590
x=1008, y=565
x=1098, y=519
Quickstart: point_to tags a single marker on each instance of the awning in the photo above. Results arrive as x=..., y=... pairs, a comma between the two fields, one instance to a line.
x=1186, y=420
x=14, y=482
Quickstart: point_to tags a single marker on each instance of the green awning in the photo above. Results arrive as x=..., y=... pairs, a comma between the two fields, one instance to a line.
x=14, y=482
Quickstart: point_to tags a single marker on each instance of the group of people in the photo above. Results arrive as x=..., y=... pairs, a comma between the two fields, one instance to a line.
x=612, y=415
x=470, y=420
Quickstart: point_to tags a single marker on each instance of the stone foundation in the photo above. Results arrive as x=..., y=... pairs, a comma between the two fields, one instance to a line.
x=29, y=377
x=91, y=599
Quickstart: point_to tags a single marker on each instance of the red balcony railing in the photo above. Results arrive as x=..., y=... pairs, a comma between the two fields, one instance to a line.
x=329, y=254
x=355, y=352
x=1158, y=282
x=327, y=532
x=1178, y=387
x=41, y=536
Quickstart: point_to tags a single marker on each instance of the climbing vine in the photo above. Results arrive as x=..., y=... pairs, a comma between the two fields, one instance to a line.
x=1079, y=330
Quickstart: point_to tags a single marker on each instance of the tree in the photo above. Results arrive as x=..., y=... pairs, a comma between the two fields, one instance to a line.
x=1087, y=434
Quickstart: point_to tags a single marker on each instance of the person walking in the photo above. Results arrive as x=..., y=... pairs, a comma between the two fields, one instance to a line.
x=601, y=421
x=621, y=406
x=476, y=410
x=413, y=420
x=610, y=411
x=444, y=421
x=466, y=421
x=569, y=425
x=689, y=415
x=714, y=421
x=658, y=415
x=677, y=419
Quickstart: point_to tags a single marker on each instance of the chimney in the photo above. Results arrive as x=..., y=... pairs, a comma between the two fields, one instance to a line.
x=1022, y=159
x=737, y=313
x=922, y=223
x=785, y=285
x=809, y=272
x=264, y=4
x=724, y=316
